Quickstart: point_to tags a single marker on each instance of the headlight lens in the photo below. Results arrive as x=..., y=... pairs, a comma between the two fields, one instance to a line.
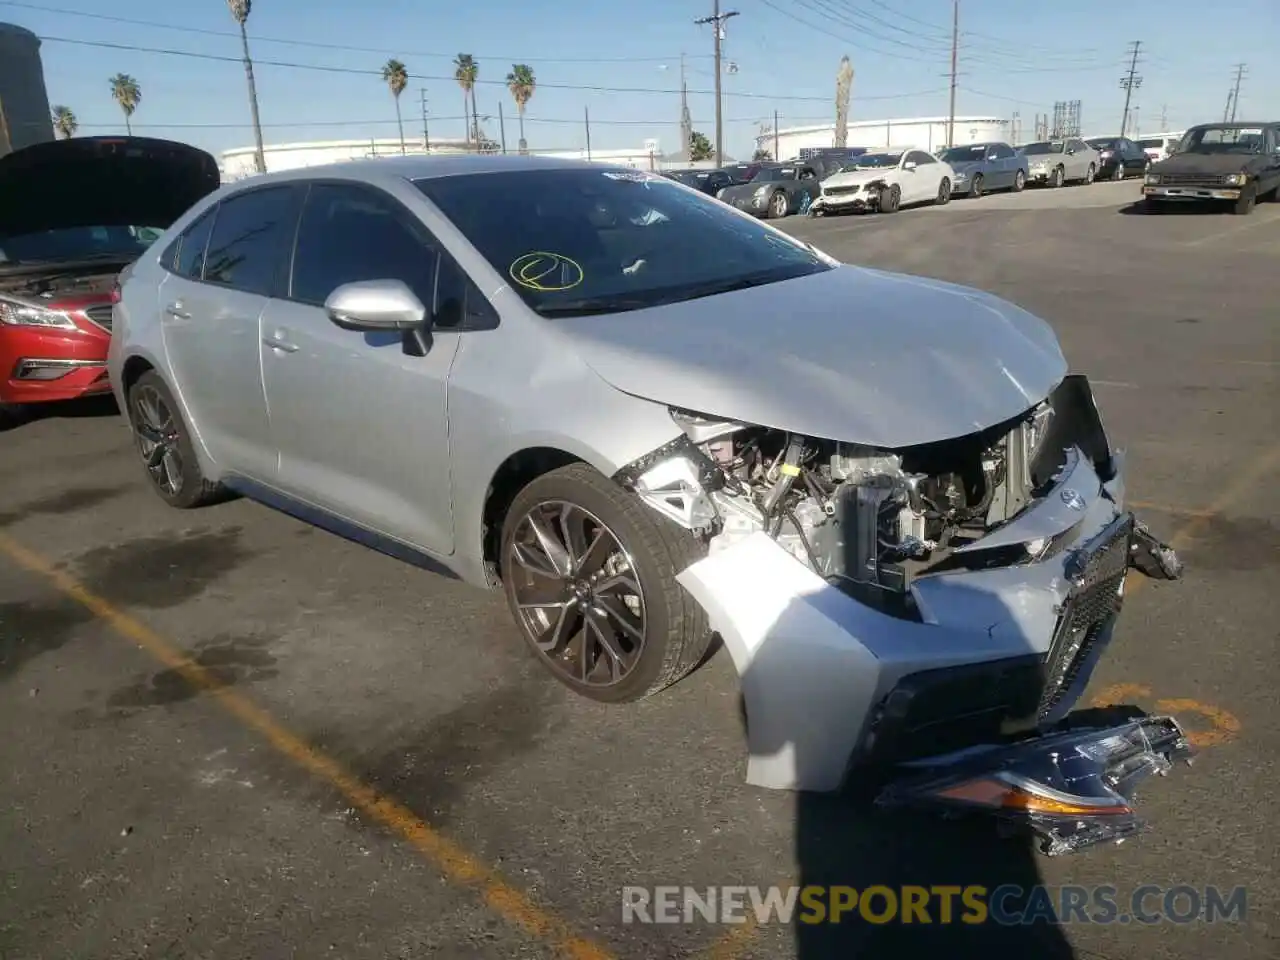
x=17, y=314
x=1153, y=178
x=761, y=191
x=1236, y=179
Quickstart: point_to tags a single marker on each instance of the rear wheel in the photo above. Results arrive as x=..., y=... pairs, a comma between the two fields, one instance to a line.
x=1119, y=172
x=164, y=443
x=1019, y=182
x=1091, y=174
x=589, y=574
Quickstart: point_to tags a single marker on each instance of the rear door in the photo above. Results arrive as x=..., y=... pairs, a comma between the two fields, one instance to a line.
x=228, y=265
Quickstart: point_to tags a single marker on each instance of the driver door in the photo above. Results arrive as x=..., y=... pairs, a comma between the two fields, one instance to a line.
x=922, y=183
x=361, y=426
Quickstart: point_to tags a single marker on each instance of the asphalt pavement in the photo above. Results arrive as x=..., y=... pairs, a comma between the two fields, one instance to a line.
x=228, y=735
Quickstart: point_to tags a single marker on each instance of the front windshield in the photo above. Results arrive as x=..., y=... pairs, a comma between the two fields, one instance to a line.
x=78, y=243
x=576, y=242
x=870, y=161
x=1036, y=149
x=977, y=151
x=1224, y=139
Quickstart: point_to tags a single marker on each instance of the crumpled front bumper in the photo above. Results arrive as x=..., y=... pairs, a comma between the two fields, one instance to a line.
x=837, y=693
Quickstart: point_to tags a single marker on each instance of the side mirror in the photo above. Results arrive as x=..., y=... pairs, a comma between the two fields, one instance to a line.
x=371, y=306
x=909, y=165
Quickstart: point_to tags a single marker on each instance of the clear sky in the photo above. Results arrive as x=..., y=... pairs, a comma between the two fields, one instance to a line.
x=781, y=55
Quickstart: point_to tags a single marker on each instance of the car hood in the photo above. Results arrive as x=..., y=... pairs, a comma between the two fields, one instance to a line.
x=850, y=177
x=1209, y=163
x=103, y=181
x=850, y=354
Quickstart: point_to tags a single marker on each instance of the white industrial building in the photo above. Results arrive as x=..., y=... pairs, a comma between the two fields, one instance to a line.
x=926, y=133
x=239, y=162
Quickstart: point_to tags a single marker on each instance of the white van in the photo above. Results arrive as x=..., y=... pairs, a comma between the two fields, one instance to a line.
x=1159, y=147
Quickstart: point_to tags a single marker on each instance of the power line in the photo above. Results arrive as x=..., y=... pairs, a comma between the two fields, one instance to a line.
x=542, y=85
x=155, y=24
x=1129, y=81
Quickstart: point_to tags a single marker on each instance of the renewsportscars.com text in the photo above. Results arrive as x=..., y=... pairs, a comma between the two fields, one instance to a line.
x=1009, y=904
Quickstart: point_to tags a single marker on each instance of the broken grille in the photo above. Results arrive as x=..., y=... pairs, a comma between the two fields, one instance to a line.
x=1096, y=573
x=840, y=191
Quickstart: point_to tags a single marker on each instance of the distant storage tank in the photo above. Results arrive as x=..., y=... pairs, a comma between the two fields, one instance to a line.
x=24, y=103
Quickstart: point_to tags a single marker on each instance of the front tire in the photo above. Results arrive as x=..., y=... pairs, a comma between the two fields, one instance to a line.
x=977, y=187
x=1119, y=172
x=164, y=443
x=778, y=205
x=589, y=575
x=1091, y=174
x=1248, y=198
x=1058, y=177
x=890, y=199
x=944, y=192
x=1019, y=182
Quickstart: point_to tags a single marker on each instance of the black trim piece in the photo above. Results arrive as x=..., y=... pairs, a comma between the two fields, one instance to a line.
x=348, y=530
x=1076, y=422
x=709, y=475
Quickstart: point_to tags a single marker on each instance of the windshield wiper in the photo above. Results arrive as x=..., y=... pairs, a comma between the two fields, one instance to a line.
x=591, y=305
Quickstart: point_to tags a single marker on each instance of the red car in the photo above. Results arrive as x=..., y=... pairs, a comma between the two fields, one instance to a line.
x=73, y=214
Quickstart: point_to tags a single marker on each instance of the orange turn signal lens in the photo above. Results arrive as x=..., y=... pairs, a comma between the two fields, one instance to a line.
x=995, y=793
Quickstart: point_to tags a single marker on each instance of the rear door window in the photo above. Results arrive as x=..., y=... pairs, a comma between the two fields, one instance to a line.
x=251, y=238
x=189, y=259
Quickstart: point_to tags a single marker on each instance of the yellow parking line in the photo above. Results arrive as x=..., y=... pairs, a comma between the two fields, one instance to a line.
x=1166, y=508
x=453, y=861
x=1261, y=221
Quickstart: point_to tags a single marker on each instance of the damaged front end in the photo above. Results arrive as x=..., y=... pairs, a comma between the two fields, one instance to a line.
x=888, y=608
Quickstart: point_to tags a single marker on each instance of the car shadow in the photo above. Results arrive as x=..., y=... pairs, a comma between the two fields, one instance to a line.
x=1176, y=209
x=89, y=407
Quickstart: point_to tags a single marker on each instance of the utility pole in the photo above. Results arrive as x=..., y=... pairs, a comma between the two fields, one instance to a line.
x=502, y=127
x=1128, y=82
x=426, y=134
x=775, y=135
x=586, y=119
x=955, y=51
x=717, y=21
x=1234, y=100
x=1164, y=118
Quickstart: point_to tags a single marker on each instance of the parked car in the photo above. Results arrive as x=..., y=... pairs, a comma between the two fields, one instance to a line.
x=708, y=181
x=1059, y=162
x=1119, y=157
x=979, y=167
x=528, y=372
x=1234, y=162
x=89, y=206
x=885, y=182
x=1159, y=147
x=776, y=190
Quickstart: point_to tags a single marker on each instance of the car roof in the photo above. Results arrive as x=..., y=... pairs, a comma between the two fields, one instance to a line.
x=428, y=167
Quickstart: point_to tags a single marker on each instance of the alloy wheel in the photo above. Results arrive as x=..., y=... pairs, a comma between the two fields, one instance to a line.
x=158, y=440
x=779, y=204
x=578, y=596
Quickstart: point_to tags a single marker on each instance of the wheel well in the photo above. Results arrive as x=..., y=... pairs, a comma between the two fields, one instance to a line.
x=134, y=367
x=516, y=472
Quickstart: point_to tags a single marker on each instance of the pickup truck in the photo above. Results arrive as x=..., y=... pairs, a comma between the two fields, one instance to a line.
x=1238, y=163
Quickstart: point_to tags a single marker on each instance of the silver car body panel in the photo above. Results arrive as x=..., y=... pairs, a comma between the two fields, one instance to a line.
x=855, y=355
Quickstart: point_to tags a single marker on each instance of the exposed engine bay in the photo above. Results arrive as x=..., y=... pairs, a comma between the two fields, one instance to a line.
x=867, y=520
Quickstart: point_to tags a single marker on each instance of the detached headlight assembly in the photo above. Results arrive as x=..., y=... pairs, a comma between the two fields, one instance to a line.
x=17, y=314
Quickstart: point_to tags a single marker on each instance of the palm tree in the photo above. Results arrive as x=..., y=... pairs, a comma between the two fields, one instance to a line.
x=521, y=83
x=65, y=122
x=395, y=76
x=126, y=92
x=465, y=71
x=240, y=13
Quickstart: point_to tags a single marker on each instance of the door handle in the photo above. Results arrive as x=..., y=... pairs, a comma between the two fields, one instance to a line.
x=280, y=343
x=175, y=310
